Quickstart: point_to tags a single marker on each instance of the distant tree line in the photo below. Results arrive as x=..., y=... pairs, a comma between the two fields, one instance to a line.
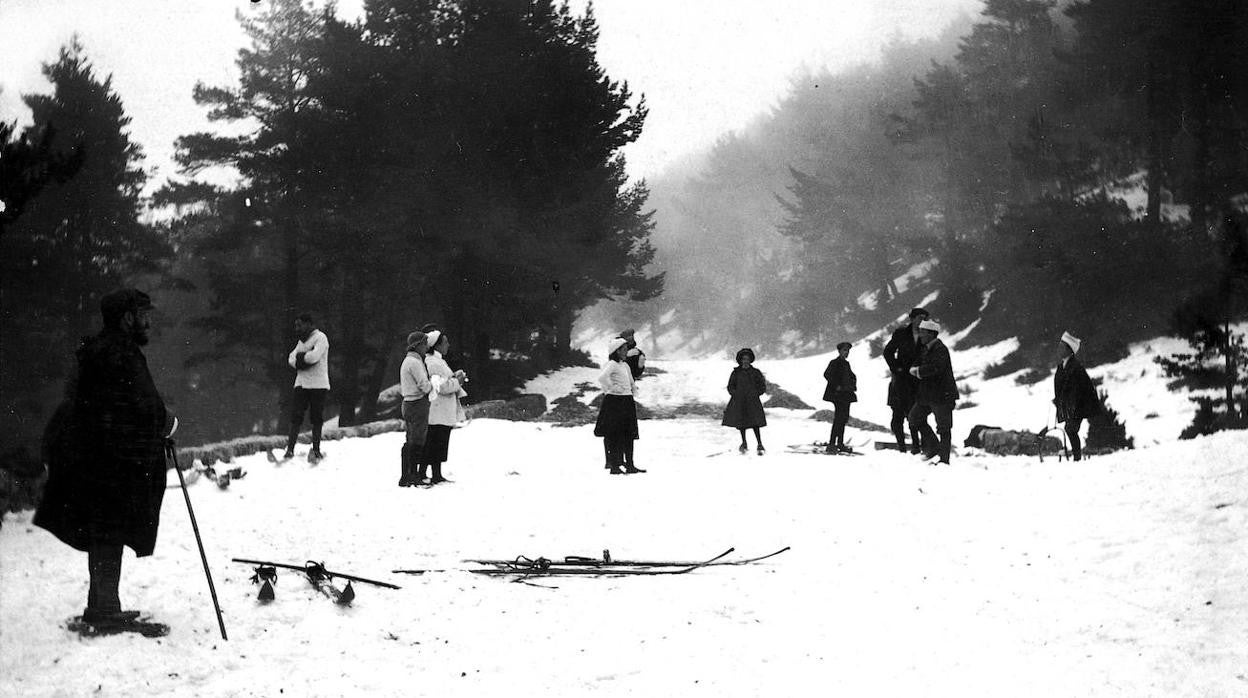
x=1062, y=166
x=455, y=162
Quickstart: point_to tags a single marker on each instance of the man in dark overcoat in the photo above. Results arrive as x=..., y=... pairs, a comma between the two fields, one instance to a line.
x=105, y=451
x=937, y=394
x=901, y=353
x=841, y=391
x=1073, y=393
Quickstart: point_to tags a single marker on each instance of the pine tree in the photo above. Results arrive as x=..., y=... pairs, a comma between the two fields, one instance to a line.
x=72, y=231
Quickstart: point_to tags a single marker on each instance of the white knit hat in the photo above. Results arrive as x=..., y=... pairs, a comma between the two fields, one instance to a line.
x=432, y=337
x=1071, y=341
x=930, y=325
x=614, y=344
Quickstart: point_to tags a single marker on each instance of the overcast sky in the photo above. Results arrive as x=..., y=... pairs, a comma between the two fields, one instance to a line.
x=705, y=66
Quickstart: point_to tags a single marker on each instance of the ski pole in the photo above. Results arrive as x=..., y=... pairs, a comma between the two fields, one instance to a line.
x=173, y=452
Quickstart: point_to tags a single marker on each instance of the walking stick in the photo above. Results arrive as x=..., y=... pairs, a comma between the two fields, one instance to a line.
x=173, y=452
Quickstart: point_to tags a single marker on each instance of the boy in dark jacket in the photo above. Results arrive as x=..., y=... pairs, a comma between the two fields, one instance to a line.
x=841, y=391
x=1073, y=394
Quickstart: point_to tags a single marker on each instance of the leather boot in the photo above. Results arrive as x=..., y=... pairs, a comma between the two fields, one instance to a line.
x=628, y=459
x=436, y=476
x=104, y=568
x=419, y=465
x=405, y=476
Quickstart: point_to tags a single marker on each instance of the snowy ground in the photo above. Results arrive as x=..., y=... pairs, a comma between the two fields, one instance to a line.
x=1119, y=576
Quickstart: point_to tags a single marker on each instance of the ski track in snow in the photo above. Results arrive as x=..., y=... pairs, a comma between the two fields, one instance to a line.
x=1118, y=576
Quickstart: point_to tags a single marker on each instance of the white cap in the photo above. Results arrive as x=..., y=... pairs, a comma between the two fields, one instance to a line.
x=1071, y=341
x=432, y=337
x=614, y=344
x=930, y=325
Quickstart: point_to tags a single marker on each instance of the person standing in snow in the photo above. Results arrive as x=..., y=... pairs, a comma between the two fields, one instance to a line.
x=1073, y=393
x=105, y=450
x=745, y=408
x=310, y=359
x=445, y=408
x=937, y=394
x=901, y=353
x=415, y=387
x=635, y=357
x=841, y=392
x=617, y=417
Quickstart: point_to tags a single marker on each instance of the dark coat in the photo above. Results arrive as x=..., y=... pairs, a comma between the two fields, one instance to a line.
x=745, y=409
x=1073, y=392
x=105, y=451
x=636, y=359
x=900, y=353
x=842, y=383
x=936, y=383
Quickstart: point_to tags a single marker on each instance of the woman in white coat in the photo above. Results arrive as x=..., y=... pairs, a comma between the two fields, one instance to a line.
x=445, y=408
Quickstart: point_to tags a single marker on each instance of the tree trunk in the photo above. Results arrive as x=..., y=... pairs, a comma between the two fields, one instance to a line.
x=349, y=378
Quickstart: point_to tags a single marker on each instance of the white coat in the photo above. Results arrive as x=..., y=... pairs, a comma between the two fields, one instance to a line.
x=445, y=407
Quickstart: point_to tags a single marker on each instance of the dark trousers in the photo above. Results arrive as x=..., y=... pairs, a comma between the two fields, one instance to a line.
x=942, y=446
x=312, y=401
x=900, y=418
x=1072, y=433
x=839, y=419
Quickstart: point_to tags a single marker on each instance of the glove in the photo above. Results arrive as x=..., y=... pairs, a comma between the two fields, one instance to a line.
x=915, y=371
x=300, y=362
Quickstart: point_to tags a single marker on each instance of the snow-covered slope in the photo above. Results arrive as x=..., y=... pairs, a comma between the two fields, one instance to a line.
x=1118, y=576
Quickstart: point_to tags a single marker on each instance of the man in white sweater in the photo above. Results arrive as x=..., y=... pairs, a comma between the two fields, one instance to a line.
x=310, y=359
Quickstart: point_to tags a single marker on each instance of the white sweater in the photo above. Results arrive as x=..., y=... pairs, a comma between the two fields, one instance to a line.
x=316, y=348
x=414, y=378
x=617, y=379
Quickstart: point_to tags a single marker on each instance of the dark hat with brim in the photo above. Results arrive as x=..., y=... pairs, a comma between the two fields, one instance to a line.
x=844, y=345
x=124, y=300
x=416, y=339
x=746, y=351
x=916, y=312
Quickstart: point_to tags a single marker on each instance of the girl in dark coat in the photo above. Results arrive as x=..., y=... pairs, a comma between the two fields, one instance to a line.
x=617, y=418
x=1073, y=394
x=841, y=391
x=745, y=409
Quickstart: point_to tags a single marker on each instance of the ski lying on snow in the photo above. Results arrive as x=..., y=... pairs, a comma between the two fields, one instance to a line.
x=606, y=561
x=544, y=568
x=819, y=449
x=320, y=568
x=320, y=578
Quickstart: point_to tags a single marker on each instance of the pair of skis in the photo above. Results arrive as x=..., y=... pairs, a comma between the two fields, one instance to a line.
x=821, y=448
x=575, y=565
x=320, y=578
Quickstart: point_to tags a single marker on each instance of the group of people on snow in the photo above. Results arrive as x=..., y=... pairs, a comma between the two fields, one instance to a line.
x=106, y=444
x=921, y=385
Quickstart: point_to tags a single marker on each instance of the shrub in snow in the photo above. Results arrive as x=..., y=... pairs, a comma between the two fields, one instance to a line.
x=779, y=397
x=1106, y=432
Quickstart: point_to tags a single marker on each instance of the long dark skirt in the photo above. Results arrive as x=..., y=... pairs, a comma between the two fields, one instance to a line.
x=617, y=417
x=437, y=443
